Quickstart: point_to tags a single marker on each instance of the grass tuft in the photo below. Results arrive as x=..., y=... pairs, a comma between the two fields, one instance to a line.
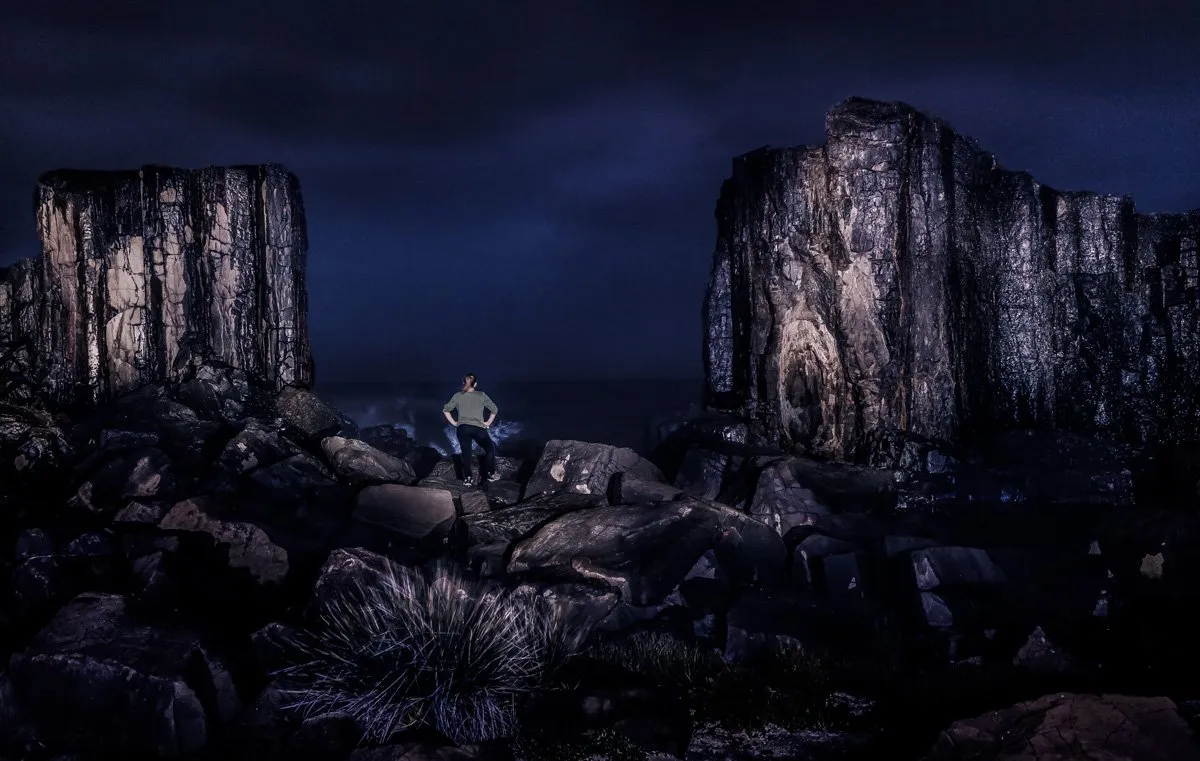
x=429, y=648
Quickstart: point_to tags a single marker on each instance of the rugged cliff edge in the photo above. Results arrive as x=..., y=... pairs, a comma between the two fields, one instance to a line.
x=145, y=270
x=897, y=281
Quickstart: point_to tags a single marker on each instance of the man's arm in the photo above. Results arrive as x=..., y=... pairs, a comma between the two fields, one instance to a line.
x=449, y=407
x=490, y=406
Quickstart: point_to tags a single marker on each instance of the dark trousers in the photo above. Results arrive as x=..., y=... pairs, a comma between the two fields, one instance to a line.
x=466, y=434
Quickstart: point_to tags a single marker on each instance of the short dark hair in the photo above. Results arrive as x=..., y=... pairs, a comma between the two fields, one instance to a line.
x=472, y=378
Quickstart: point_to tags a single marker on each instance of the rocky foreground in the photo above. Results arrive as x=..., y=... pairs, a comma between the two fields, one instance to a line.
x=169, y=560
x=863, y=549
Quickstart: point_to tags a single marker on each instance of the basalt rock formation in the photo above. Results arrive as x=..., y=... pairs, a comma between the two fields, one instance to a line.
x=145, y=271
x=897, y=282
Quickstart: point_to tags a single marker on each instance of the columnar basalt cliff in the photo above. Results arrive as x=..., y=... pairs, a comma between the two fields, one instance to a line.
x=143, y=270
x=898, y=281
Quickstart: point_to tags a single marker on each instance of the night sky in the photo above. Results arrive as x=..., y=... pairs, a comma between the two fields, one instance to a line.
x=526, y=189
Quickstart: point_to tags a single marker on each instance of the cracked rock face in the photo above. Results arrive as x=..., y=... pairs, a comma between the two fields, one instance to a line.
x=140, y=267
x=897, y=280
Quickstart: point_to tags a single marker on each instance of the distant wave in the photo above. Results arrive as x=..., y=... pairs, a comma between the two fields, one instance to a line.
x=421, y=418
x=612, y=412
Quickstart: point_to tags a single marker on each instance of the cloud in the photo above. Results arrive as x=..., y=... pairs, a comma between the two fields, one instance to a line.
x=532, y=183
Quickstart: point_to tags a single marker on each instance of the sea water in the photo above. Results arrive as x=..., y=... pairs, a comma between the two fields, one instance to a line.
x=617, y=412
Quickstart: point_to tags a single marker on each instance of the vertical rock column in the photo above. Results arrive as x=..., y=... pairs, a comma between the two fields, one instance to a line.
x=897, y=281
x=136, y=266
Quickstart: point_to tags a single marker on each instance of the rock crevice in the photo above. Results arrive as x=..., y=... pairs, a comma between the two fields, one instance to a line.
x=897, y=281
x=143, y=270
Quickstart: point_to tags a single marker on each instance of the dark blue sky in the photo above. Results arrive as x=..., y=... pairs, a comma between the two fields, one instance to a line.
x=526, y=189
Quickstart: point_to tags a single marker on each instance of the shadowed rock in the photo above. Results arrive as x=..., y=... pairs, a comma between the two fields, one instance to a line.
x=1064, y=726
x=359, y=463
x=137, y=265
x=98, y=681
x=644, y=552
x=585, y=468
x=897, y=280
x=249, y=546
x=625, y=490
x=413, y=512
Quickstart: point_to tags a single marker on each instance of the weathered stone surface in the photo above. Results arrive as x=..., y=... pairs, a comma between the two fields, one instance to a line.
x=255, y=446
x=310, y=416
x=144, y=474
x=249, y=546
x=96, y=680
x=359, y=463
x=216, y=390
x=33, y=451
x=413, y=512
x=626, y=490
x=642, y=552
x=1067, y=726
x=585, y=468
x=347, y=568
x=511, y=523
x=137, y=264
x=938, y=567
x=748, y=550
x=297, y=480
x=446, y=474
x=1041, y=656
x=897, y=279
x=474, y=502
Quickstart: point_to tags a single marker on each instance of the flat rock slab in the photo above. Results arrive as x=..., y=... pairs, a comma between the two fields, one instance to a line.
x=509, y=524
x=1066, y=726
x=413, y=512
x=643, y=552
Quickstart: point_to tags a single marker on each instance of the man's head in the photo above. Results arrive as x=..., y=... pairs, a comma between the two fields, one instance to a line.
x=469, y=381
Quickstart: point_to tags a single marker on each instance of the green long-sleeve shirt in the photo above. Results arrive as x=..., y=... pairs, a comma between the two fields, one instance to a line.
x=470, y=406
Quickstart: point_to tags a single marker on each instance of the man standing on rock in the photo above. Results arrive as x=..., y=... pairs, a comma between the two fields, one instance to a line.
x=472, y=427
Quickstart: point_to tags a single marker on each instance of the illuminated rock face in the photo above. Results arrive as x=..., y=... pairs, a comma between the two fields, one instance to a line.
x=143, y=271
x=897, y=281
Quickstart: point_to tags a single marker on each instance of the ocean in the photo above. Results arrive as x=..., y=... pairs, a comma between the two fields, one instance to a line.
x=617, y=412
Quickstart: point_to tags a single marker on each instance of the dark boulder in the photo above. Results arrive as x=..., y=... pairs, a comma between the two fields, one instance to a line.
x=310, y=418
x=97, y=680
x=585, y=468
x=216, y=390
x=34, y=452
x=358, y=463
x=248, y=547
x=411, y=513
x=1070, y=726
